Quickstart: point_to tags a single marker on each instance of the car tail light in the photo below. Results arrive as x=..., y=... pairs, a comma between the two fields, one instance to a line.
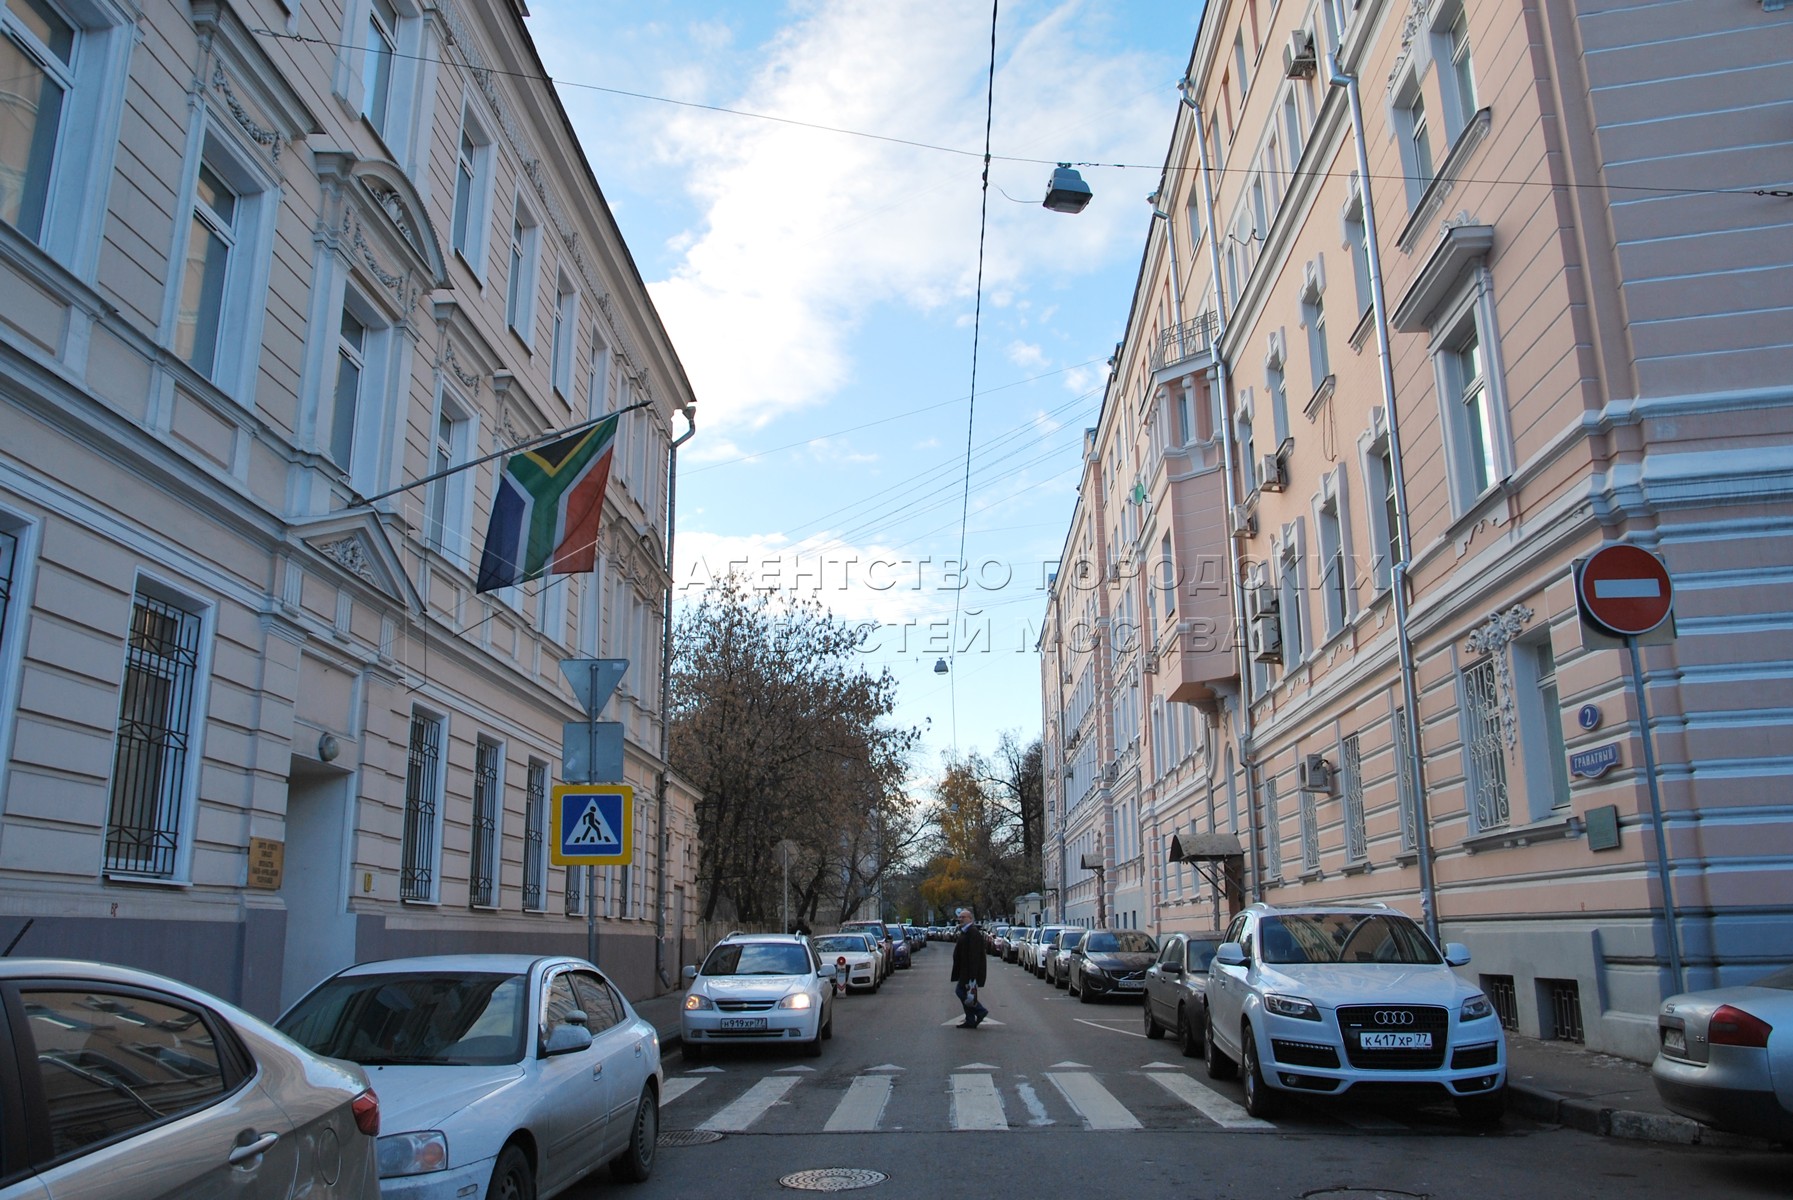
x=1734, y=1027
x=366, y=1107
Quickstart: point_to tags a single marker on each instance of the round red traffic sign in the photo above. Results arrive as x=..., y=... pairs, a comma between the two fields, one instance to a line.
x=1625, y=589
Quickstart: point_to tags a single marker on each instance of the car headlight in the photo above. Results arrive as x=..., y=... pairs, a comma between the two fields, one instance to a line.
x=1291, y=1006
x=1475, y=1008
x=695, y=1001
x=411, y=1153
x=797, y=1000
x=1092, y=971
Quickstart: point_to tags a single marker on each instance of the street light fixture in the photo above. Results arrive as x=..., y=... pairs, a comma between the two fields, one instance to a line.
x=1067, y=193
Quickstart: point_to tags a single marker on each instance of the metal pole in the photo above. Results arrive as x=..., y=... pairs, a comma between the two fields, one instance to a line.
x=591, y=758
x=784, y=854
x=662, y=837
x=1422, y=830
x=1662, y=860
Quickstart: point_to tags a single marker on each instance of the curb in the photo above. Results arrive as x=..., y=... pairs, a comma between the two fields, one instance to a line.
x=1627, y=1124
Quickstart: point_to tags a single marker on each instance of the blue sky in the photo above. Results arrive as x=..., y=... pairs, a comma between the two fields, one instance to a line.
x=821, y=290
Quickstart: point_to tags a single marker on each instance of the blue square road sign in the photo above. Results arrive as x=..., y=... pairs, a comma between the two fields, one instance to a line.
x=593, y=823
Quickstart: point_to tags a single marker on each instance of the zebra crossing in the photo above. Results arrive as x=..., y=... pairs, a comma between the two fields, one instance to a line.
x=971, y=1097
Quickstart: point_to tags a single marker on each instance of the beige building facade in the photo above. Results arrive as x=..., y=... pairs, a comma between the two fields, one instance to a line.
x=1368, y=418
x=264, y=264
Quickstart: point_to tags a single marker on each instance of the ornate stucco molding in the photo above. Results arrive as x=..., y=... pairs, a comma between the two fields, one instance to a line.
x=1493, y=637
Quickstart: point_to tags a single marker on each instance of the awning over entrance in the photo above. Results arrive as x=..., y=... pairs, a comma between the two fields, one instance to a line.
x=1204, y=847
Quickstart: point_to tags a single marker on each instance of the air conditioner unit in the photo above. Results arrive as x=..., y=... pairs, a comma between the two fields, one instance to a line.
x=1111, y=772
x=1260, y=600
x=1314, y=774
x=1298, y=58
x=1270, y=477
x=1245, y=522
x=1265, y=636
x=1149, y=662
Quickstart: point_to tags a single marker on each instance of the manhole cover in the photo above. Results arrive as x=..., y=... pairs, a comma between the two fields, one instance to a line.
x=1359, y=1193
x=689, y=1137
x=833, y=1179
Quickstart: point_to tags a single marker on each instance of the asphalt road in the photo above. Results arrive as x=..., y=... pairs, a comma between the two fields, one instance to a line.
x=1051, y=1097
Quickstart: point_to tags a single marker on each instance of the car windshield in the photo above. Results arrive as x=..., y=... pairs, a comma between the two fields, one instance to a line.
x=1069, y=940
x=757, y=958
x=413, y=1019
x=842, y=943
x=1124, y=941
x=1345, y=938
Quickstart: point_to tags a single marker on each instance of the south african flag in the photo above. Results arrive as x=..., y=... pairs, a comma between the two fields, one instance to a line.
x=546, y=507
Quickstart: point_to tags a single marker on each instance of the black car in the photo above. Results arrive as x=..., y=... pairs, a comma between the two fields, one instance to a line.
x=1110, y=962
x=1177, y=989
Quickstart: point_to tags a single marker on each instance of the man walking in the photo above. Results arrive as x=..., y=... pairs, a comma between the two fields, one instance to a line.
x=970, y=961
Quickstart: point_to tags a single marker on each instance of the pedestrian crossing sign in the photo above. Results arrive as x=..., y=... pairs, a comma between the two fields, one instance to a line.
x=594, y=824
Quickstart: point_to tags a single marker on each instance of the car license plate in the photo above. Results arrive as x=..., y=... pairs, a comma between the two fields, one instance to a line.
x=1395, y=1041
x=743, y=1022
x=1130, y=984
x=1674, y=1041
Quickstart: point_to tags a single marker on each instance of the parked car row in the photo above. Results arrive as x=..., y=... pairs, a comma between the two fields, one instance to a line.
x=1317, y=1001
x=451, y=1076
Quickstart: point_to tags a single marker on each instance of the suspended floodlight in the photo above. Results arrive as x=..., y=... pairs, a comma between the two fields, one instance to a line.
x=1067, y=193
x=940, y=666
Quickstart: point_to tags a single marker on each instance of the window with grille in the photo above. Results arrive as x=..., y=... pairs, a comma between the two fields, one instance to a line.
x=423, y=781
x=150, y=766
x=1310, y=833
x=575, y=891
x=1404, y=782
x=1487, y=755
x=1563, y=1010
x=488, y=790
x=535, y=840
x=1272, y=830
x=1356, y=840
x=1504, y=997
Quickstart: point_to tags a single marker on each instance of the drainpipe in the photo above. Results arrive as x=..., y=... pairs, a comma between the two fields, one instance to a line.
x=1422, y=831
x=1242, y=648
x=661, y=837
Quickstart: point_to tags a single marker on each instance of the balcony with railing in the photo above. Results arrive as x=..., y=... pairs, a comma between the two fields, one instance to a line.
x=1183, y=343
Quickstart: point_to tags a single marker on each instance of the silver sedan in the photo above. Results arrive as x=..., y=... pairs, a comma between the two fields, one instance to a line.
x=131, y=1086
x=1726, y=1056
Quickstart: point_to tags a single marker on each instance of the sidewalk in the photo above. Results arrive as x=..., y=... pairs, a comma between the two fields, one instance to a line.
x=1554, y=1082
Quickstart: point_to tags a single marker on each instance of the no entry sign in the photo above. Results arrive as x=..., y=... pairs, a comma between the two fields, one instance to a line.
x=1625, y=590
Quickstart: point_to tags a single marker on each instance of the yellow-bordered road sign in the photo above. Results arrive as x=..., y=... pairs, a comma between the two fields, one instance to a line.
x=593, y=824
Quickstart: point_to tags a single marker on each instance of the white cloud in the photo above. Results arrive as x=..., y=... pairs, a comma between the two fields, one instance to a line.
x=1027, y=356
x=803, y=232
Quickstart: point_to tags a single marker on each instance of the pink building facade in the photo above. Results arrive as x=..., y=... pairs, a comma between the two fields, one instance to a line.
x=1361, y=418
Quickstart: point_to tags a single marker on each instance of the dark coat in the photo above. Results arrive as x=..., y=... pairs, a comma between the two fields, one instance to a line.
x=971, y=958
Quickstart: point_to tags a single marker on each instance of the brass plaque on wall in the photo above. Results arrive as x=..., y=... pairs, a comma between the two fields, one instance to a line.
x=267, y=857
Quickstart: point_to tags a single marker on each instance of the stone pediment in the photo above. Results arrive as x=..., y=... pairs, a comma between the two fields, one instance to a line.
x=394, y=194
x=355, y=547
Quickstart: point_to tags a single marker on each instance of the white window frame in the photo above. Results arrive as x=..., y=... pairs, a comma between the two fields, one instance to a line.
x=1332, y=523
x=1478, y=707
x=1471, y=312
x=1378, y=486
x=565, y=338
x=470, y=232
x=494, y=838
x=537, y=795
x=1313, y=321
x=368, y=451
x=187, y=801
x=439, y=788
x=81, y=166
x=243, y=302
x=18, y=570
x=1544, y=754
x=1413, y=134
x=448, y=516
x=1456, y=67
x=410, y=77
x=1356, y=241
x=1291, y=595
x=522, y=269
x=597, y=376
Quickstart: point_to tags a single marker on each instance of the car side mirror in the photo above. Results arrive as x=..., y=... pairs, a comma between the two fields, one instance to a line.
x=689, y=972
x=1456, y=954
x=1232, y=954
x=829, y=971
x=569, y=1037
x=1170, y=968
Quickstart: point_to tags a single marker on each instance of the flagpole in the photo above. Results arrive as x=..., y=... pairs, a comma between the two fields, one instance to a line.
x=539, y=439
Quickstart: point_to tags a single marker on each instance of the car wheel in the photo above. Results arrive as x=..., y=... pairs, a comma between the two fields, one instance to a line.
x=1219, y=1065
x=1485, y=1109
x=636, y=1163
x=511, y=1177
x=813, y=1047
x=1083, y=993
x=1260, y=1101
x=1153, y=1029
x=1189, y=1034
x=828, y=1029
